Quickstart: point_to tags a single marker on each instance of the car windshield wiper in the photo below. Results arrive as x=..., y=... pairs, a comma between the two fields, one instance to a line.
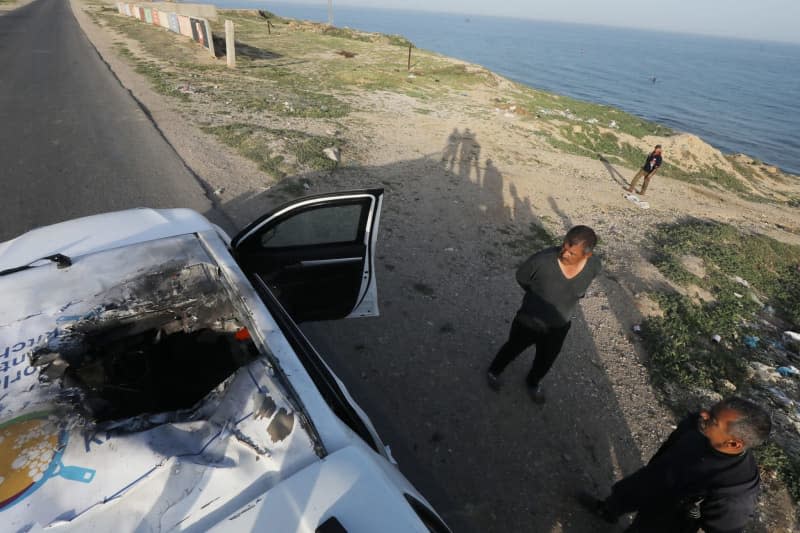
x=59, y=259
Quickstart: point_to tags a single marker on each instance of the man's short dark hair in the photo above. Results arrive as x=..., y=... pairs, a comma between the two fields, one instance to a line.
x=658, y=146
x=754, y=423
x=582, y=235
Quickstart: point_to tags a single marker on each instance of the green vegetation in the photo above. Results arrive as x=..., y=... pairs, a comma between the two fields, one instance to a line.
x=680, y=346
x=300, y=103
x=772, y=458
x=163, y=81
x=679, y=342
x=708, y=176
x=587, y=140
x=551, y=107
x=747, y=171
x=346, y=33
x=265, y=146
x=769, y=266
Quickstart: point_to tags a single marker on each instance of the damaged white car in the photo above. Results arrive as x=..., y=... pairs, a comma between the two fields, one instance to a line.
x=153, y=377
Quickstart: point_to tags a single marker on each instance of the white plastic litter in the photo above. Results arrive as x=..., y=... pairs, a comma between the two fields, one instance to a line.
x=791, y=336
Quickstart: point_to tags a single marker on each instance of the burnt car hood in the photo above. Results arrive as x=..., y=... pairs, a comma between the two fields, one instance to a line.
x=154, y=471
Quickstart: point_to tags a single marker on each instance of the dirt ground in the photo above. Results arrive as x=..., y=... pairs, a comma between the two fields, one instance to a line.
x=463, y=184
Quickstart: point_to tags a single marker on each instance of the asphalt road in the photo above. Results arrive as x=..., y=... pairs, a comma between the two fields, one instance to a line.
x=73, y=141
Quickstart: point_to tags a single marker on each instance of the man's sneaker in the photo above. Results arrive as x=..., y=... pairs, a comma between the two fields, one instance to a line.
x=536, y=393
x=493, y=380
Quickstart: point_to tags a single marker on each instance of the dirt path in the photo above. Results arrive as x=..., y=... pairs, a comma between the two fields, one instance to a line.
x=464, y=182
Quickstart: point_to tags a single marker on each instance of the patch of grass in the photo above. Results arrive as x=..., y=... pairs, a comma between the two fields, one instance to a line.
x=398, y=40
x=588, y=140
x=709, y=176
x=266, y=147
x=123, y=51
x=770, y=266
x=272, y=17
x=346, y=33
x=680, y=346
x=551, y=106
x=306, y=104
x=772, y=458
x=745, y=170
x=163, y=81
x=681, y=351
x=308, y=151
x=249, y=141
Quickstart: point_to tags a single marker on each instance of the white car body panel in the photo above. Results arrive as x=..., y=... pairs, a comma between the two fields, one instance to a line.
x=315, y=493
x=368, y=295
x=100, y=232
x=187, y=472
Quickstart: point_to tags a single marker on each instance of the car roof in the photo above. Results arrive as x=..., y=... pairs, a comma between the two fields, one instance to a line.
x=99, y=232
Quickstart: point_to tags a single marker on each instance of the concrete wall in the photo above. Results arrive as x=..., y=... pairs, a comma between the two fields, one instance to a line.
x=194, y=27
x=205, y=11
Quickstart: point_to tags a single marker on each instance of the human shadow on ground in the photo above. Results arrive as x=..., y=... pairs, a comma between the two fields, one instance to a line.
x=613, y=172
x=452, y=233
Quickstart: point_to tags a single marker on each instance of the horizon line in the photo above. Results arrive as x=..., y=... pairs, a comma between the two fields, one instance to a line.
x=529, y=18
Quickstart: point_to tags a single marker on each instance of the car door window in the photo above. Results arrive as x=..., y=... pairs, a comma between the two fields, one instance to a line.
x=316, y=254
x=319, y=225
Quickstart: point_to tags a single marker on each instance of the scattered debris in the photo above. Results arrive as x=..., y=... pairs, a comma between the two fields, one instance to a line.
x=740, y=281
x=788, y=371
x=333, y=153
x=716, y=338
x=219, y=191
x=751, y=341
x=637, y=328
x=779, y=397
x=791, y=336
x=635, y=199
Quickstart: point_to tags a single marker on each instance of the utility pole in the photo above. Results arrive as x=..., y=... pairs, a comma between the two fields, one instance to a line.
x=330, y=12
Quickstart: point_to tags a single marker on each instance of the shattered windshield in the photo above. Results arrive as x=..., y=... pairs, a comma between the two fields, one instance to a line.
x=136, y=331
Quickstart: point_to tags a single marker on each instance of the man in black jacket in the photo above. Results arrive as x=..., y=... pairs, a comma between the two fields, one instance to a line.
x=704, y=475
x=554, y=279
x=648, y=170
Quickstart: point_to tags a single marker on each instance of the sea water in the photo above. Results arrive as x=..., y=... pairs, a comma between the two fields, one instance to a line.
x=738, y=95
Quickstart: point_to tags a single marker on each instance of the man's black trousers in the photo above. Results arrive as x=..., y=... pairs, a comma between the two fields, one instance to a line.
x=548, y=345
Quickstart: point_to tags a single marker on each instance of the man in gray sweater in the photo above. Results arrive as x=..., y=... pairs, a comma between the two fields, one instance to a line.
x=554, y=280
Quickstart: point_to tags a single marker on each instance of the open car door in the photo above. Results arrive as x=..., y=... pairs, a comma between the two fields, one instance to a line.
x=316, y=254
